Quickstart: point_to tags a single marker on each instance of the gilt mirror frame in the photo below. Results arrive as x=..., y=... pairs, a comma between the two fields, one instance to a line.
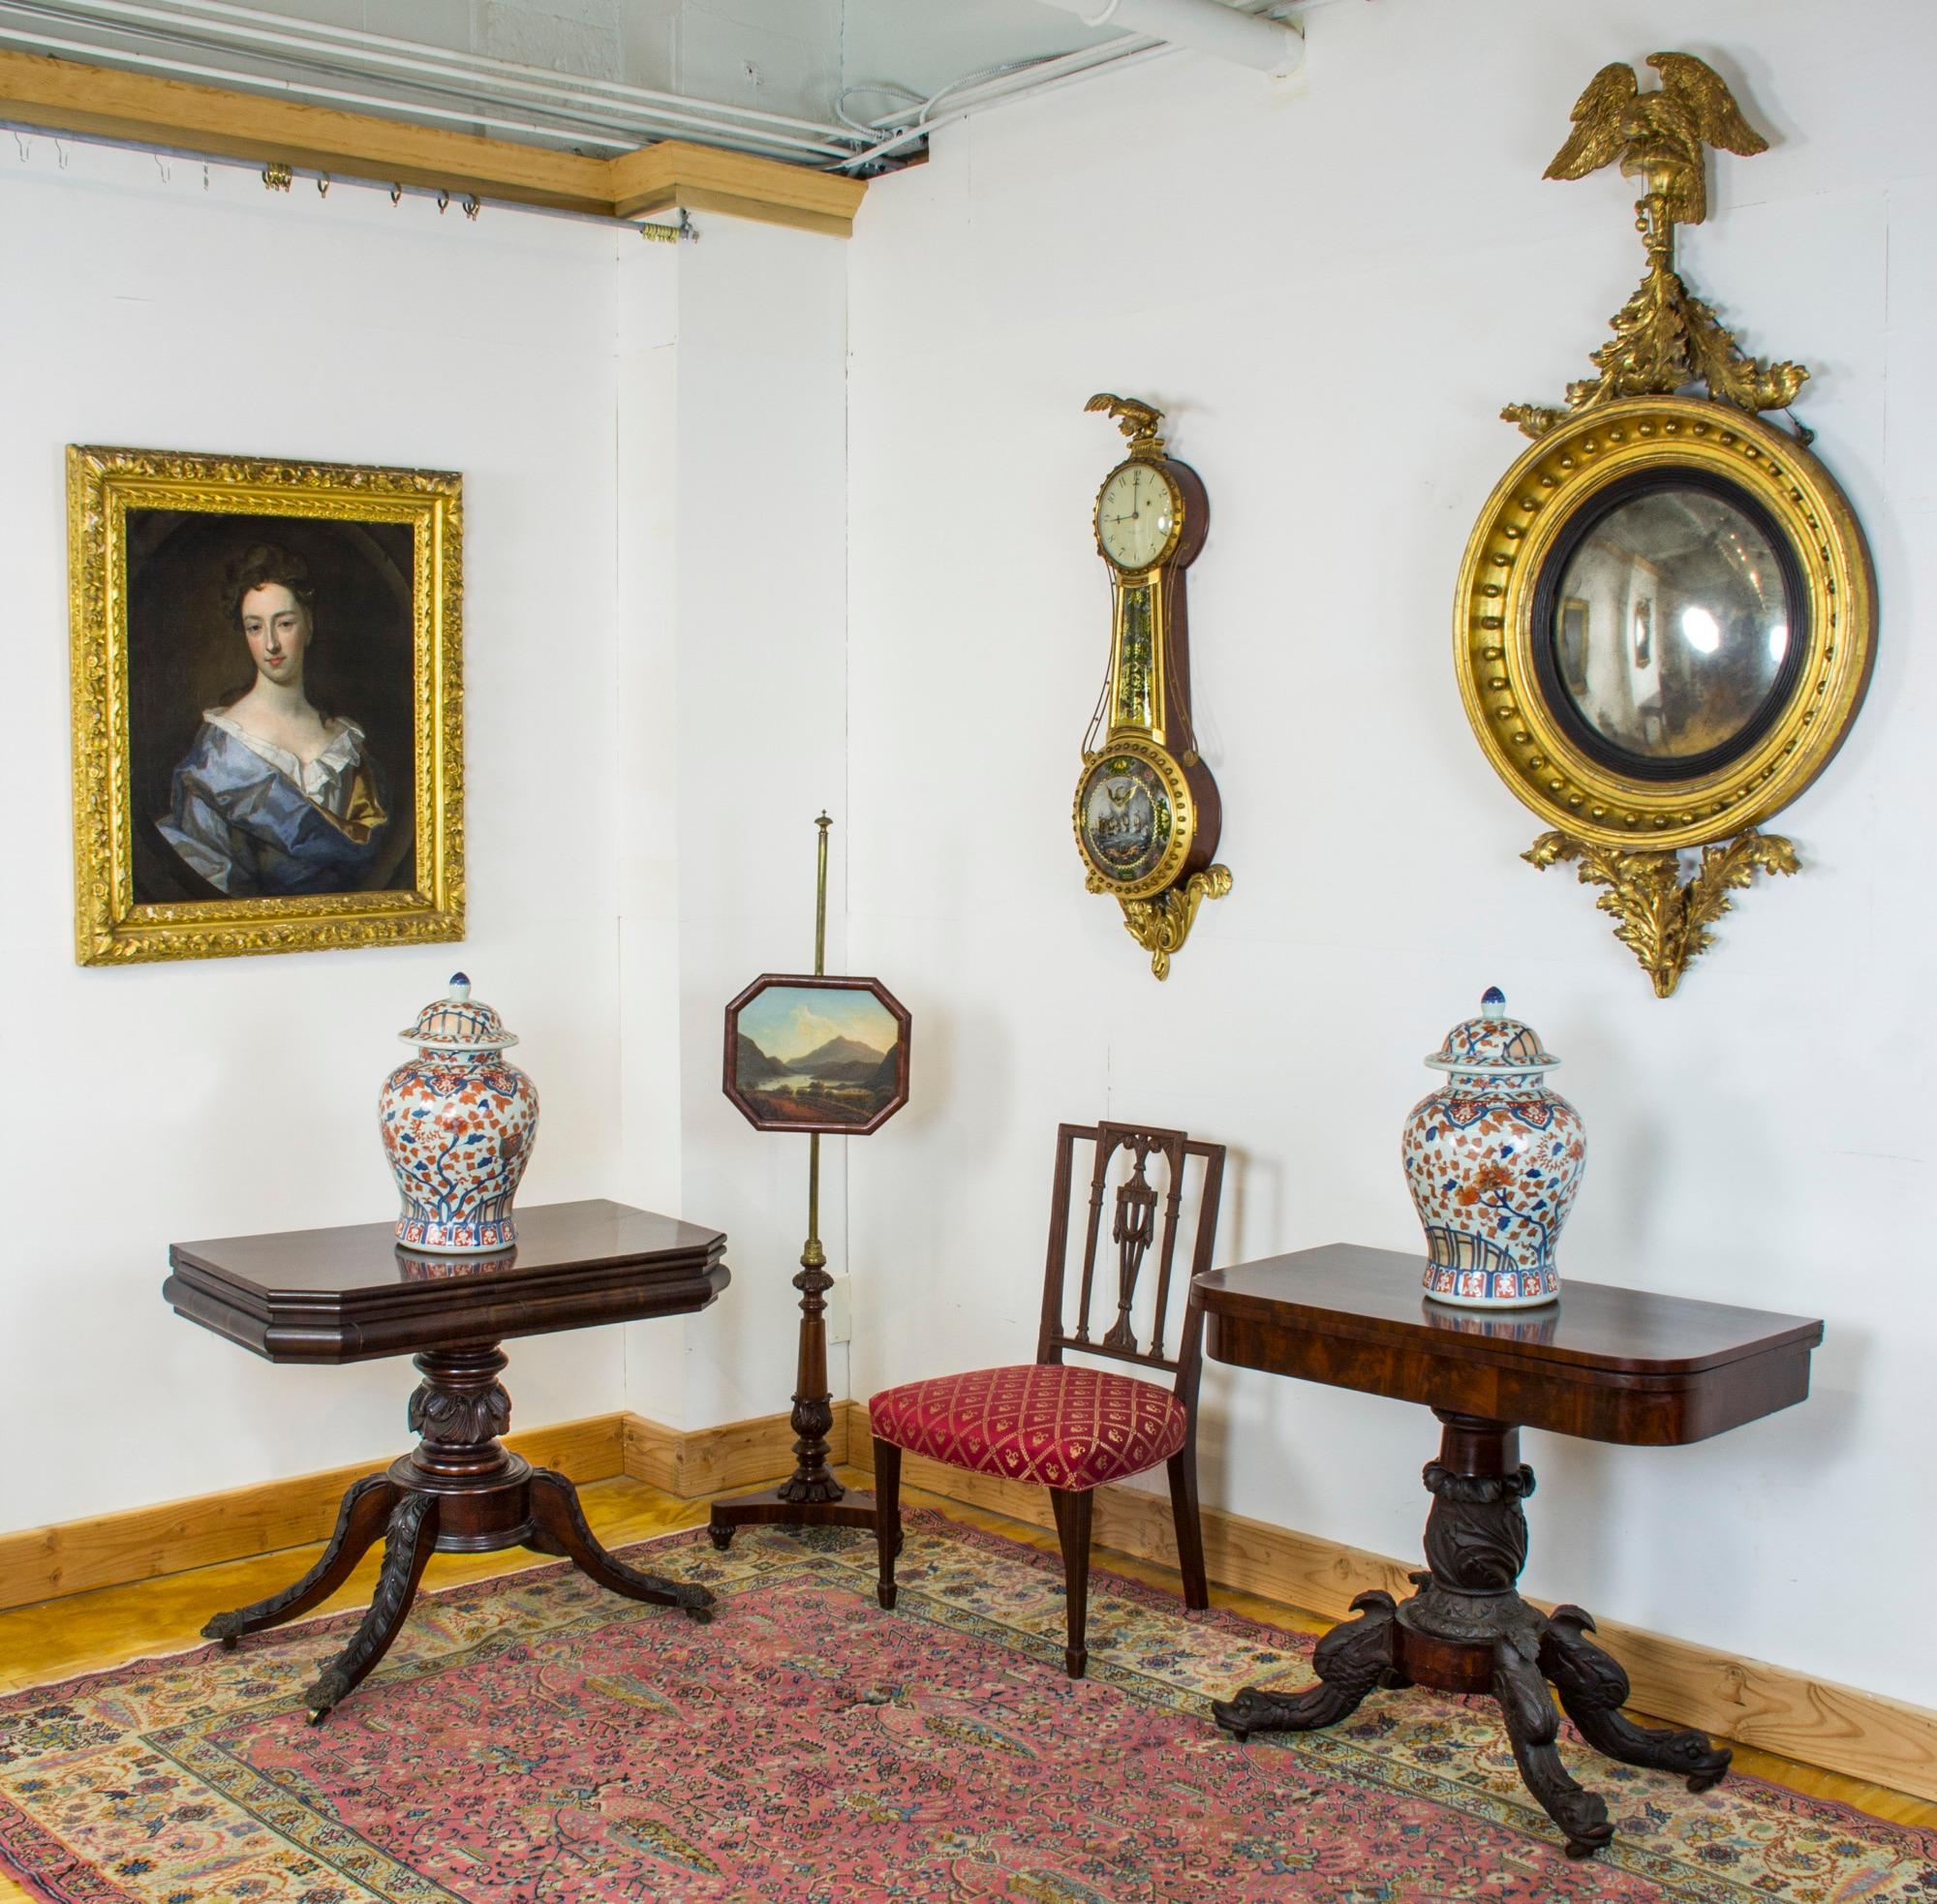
x=1524, y=635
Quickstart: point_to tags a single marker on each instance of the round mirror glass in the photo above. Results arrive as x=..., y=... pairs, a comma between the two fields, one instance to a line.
x=1671, y=624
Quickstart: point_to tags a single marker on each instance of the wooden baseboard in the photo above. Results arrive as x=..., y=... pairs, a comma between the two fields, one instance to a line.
x=137, y=1543
x=1861, y=1734
x=736, y=1455
x=113, y=1550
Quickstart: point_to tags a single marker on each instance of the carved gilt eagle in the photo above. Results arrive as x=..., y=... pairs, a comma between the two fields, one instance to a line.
x=1657, y=135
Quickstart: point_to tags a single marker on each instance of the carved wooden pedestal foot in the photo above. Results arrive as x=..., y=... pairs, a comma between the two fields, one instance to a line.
x=1467, y=1630
x=460, y=1491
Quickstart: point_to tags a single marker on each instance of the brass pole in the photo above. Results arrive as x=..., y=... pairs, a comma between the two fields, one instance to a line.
x=812, y=1417
x=810, y=1496
x=819, y=970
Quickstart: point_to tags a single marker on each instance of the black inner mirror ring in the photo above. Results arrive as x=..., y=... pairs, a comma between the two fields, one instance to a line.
x=1560, y=704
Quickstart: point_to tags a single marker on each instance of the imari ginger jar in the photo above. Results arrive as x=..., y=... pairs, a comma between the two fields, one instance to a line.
x=1493, y=1159
x=458, y=1124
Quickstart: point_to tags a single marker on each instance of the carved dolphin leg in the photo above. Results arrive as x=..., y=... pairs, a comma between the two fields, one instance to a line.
x=561, y=1529
x=1593, y=1688
x=1350, y=1660
x=365, y=1508
x=409, y=1541
x=1532, y=1726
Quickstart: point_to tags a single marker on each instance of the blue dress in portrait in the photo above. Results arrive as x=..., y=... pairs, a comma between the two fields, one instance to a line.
x=258, y=822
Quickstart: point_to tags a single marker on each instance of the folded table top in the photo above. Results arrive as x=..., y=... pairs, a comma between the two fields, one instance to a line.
x=351, y=1293
x=1604, y=1363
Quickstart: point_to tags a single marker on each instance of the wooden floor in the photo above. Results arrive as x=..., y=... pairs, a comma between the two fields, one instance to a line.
x=86, y=1631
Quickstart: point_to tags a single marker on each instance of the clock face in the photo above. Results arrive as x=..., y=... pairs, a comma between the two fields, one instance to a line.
x=1138, y=516
x=1123, y=814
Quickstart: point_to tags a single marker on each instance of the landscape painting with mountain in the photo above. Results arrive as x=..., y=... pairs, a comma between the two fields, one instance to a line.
x=828, y=1056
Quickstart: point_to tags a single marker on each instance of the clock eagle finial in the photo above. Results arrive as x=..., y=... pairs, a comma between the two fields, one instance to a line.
x=1136, y=419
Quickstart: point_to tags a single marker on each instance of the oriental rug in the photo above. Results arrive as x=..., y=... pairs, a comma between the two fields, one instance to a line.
x=535, y=1740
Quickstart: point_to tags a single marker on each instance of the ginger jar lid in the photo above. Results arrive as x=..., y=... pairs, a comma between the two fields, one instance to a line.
x=1492, y=1042
x=459, y=1022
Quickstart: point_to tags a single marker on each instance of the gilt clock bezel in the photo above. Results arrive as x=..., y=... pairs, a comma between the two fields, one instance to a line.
x=1184, y=817
x=1178, y=509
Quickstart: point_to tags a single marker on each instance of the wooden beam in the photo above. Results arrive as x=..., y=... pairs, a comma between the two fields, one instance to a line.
x=1842, y=1729
x=59, y=95
x=142, y=108
x=701, y=178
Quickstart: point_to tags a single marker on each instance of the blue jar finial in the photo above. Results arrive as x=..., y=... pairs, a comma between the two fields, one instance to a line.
x=460, y=986
x=1494, y=1003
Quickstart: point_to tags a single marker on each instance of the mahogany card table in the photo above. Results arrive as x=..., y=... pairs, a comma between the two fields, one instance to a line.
x=1605, y=1363
x=346, y=1295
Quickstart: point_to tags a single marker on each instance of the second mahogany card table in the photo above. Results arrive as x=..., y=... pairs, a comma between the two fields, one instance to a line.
x=1605, y=1364
x=350, y=1294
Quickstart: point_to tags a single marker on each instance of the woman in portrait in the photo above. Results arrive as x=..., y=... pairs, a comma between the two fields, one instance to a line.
x=275, y=795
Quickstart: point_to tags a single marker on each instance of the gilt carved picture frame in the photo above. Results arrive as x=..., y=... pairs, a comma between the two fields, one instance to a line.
x=267, y=683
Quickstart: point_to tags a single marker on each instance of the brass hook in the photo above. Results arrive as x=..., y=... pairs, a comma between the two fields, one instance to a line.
x=277, y=176
x=442, y=199
x=396, y=194
x=322, y=185
x=472, y=204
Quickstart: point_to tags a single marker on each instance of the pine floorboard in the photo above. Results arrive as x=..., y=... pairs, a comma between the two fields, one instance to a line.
x=86, y=1632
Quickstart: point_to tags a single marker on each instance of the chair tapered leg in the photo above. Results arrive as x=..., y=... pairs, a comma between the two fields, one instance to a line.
x=1073, y=1510
x=887, y=1516
x=1182, y=1470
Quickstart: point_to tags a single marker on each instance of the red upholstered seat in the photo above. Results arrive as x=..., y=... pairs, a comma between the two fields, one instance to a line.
x=1066, y=1427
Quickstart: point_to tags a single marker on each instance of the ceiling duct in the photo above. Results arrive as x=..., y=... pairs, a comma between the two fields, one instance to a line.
x=1205, y=26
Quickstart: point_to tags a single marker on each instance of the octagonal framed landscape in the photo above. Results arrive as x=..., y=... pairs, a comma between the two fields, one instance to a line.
x=816, y=1055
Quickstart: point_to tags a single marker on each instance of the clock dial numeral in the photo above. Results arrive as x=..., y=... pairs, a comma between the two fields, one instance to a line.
x=1135, y=515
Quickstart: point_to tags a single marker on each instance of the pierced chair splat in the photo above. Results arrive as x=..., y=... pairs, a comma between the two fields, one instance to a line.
x=1074, y=1427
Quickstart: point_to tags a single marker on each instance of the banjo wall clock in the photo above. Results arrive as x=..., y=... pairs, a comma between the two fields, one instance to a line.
x=1147, y=814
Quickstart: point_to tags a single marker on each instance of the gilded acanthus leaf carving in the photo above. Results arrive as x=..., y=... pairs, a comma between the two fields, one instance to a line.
x=1163, y=924
x=1660, y=920
x=1665, y=337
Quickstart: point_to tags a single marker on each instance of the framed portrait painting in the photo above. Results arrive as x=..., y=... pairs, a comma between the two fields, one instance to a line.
x=268, y=705
x=816, y=1055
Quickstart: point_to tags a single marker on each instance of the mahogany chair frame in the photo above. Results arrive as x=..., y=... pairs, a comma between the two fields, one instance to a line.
x=1133, y=1231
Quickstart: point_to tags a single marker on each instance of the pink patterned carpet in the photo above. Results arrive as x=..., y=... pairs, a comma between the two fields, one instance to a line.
x=537, y=1741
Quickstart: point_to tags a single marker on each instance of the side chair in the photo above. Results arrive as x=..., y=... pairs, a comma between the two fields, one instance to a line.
x=1068, y=1426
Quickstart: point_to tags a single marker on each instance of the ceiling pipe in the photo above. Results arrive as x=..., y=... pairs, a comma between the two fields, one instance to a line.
x=1205, y=26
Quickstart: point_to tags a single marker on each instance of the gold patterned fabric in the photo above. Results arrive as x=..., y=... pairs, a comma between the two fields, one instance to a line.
x=1042, y=1421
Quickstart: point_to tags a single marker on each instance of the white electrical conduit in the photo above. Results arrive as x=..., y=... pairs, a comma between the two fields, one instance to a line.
x=1039, y=76
x=41, y=43
x=461, y=80
x=1205, y=26
x=295, y=32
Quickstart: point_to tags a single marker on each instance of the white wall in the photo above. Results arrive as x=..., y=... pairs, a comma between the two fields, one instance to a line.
x=219, y=1097
x=1332, y=288
x=748, y=409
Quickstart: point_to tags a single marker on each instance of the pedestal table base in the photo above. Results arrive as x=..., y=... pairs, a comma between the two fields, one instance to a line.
x=1466, y=1630
x=459, y=1492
